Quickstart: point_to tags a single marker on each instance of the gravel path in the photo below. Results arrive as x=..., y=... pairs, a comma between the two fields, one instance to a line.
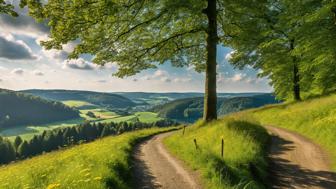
x=296, y=162
x=156, y=168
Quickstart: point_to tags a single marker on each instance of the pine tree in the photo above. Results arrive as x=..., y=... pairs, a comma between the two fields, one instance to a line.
x=23, y=150
x=18, y=140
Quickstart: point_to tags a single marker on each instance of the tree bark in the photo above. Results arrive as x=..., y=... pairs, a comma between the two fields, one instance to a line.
x=210, y=97
x=296, y=80
x=296, y=76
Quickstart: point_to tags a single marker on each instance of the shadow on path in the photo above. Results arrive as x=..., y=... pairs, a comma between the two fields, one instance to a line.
x=287, y=175
x=142, y=174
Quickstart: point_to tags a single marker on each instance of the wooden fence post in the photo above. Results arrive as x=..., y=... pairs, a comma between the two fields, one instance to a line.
x=195, y=142
x=183, y=130
x=222, y=152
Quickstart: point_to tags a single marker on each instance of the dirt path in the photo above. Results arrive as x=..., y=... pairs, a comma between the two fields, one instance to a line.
x=156, y=168
x=298, y=163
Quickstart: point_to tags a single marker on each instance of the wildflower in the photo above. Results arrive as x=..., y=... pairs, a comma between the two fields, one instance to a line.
x=97, y=178
x=52, y=186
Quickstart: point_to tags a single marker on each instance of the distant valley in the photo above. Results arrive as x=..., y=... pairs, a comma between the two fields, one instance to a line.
x=30, y=112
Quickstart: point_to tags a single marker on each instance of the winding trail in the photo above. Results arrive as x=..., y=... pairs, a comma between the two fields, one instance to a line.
x=156, y=168
x=298, y=163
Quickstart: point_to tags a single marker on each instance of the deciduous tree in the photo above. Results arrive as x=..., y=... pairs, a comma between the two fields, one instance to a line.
x=139, y=34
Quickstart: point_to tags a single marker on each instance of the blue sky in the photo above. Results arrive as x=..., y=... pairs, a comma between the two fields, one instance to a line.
x=25, y=65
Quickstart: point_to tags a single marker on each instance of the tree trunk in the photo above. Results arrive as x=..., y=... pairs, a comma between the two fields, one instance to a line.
x=210, y=98
x=296, y=75
x=296, y=80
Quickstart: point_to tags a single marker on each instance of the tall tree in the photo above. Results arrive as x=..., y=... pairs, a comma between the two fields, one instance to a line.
x=265, y=36
x=138, y=34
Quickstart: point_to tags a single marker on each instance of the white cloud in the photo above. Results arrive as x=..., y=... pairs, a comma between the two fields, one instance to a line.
x=160, y=73
x=18, y=71
x=165, y=79
x=38, y=73
x=102, y=81
x=181, y=80
x=79, y=64
x=238, y=77
x=22, y=25
x=228, y=56
x=14, y=49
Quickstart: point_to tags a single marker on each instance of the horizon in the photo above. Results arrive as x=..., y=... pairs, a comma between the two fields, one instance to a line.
x=60, y=89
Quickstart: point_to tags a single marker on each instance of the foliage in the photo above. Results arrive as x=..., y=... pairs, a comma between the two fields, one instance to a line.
x=290, y=41
x=138, y=35
x=244, y=164
x=20, y=109
x=100, y=164
x=54, y=139
x=6, y=8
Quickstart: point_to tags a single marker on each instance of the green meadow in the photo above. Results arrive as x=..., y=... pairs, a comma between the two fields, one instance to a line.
x=104, y=163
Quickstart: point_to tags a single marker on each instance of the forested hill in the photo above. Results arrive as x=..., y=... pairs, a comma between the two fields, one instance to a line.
x=191, y=109
x=22, y=109
x=97, y=98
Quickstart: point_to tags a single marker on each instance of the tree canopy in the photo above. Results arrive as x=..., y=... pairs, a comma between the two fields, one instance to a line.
x=6, y=8
x=291, y=42
x=138, y=34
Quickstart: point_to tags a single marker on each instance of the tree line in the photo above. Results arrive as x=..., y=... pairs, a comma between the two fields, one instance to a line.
x=290, y=42
x=22, y=109
x=51, y=140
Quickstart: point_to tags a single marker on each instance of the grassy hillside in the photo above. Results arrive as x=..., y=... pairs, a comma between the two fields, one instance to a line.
x=20, y=109
x=101, y=164
x=244, y=151
x=96, y=98
x=315, y=119
x=246, y=140
x=191, y=109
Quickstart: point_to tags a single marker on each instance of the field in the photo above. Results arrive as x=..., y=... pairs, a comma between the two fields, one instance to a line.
x=27, y=132
x=76, y=103
x=244, y=146
x=104, y=163
x=146, y=117
x=101, y=115
x=315, y=119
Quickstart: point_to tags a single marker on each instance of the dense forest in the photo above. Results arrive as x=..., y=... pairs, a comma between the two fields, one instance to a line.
x=22, y=109
x=57, y=138
x=97, y=98
x=191, y=109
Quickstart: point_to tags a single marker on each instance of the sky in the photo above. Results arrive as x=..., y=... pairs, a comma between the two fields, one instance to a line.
x=24, y=64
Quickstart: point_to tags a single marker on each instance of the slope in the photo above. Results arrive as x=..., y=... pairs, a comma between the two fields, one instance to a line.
x=97, y=98
x=100, y=164
x=191, y=109
x=21, y=109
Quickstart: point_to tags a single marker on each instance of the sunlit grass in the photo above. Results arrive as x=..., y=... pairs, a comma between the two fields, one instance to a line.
x=76, y=103
x=26, y=132
x=315, y=119
x=101, y=164
x=244, y=145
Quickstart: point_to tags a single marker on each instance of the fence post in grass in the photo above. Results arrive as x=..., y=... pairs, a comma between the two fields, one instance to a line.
x=222, y=152
x=195, y=142
x=183, y=130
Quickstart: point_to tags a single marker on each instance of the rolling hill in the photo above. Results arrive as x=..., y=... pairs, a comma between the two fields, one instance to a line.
x=97, y=98
x=22, y=109
x=313, y=119
x=191, y=109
